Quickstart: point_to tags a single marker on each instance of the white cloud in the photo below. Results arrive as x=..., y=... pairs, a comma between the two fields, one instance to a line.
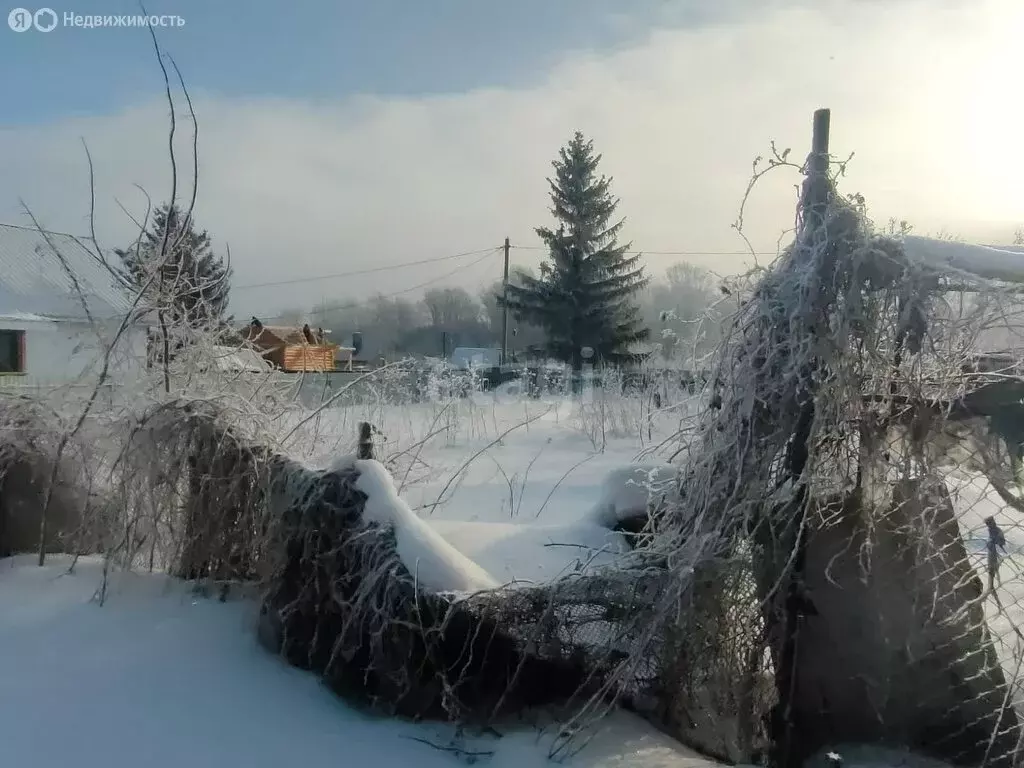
x=924, y=92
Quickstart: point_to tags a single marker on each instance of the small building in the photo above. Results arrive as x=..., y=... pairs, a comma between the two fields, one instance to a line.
x=290, y=349
x=61, y=307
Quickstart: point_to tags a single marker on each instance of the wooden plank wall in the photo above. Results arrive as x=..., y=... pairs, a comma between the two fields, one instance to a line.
x=308, y=358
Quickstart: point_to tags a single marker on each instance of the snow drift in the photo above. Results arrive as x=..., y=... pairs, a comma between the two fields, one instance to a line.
x=435, y=564
x=630, y=492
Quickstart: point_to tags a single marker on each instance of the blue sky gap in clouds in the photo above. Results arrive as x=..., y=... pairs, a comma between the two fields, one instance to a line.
x=313, y=48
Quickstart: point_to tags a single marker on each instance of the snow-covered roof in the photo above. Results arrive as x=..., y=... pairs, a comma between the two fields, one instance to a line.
x=237, y=359
x=1005, y=262
x=24, y=317
x=221, y=358
x=1003, y=334
x=33, y=281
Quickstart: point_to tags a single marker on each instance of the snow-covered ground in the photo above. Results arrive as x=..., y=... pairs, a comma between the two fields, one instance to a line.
x=512, y=483
x=162, y=677
x=974, y=499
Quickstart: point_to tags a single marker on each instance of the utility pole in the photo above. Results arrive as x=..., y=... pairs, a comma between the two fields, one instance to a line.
x=504, y=309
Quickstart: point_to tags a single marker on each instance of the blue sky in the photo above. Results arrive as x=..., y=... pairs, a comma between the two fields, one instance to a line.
x=315, y=49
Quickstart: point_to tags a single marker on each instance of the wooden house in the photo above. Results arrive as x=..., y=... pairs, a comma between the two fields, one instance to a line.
x=293, y=350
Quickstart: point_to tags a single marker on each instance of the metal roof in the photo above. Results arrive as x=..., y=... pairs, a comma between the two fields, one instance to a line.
x=34, y=281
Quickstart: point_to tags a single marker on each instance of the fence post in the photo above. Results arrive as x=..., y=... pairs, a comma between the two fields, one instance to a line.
x=365, y=450
x=814, y=203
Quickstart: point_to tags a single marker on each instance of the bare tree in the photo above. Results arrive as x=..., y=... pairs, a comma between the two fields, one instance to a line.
x=383, y=321
x=451, y=307
x=679, y=309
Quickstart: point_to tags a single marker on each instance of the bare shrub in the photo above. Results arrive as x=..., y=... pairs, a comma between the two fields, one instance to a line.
x=28, y=460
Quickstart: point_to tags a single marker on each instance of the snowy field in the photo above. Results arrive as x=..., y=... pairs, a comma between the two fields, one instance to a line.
x=161, y=677
x=511, y=482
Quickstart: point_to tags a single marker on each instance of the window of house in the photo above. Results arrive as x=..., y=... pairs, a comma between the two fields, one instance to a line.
x=12, y=351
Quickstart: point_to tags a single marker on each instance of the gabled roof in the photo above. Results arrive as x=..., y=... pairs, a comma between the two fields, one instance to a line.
x=270, y=336
x=34, y=281
x=274, y=335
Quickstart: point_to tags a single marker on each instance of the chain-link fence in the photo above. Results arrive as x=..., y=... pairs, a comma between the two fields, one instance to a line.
x=912, y=630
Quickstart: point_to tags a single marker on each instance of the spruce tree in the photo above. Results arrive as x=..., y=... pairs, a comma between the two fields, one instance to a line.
x=184, y=280
x=586, y=293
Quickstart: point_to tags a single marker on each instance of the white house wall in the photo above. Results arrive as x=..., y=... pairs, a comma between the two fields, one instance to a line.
x=59, y=353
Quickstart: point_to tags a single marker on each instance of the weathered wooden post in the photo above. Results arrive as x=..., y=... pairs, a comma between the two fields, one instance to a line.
x=365, y=449
x=790, y=611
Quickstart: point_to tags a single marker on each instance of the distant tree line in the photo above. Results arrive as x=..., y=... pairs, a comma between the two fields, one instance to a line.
x=677, y=309
x=592, y=301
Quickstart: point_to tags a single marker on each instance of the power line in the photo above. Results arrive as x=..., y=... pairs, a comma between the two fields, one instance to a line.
x=665, y=253
x=446, y=274
x=485, y=251
x=353, y=304
x=368, y=271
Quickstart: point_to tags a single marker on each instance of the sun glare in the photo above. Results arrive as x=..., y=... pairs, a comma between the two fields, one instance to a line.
x=993, y=118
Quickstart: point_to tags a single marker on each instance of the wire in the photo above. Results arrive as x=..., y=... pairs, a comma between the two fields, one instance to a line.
x=351, y=305
x=488, y=251
x=485, y=253
x=371, y=270
x=664, y=253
